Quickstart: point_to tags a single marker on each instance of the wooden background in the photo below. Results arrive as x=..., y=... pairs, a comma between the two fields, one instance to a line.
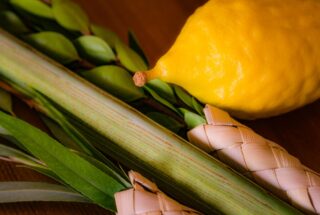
x=156, y=24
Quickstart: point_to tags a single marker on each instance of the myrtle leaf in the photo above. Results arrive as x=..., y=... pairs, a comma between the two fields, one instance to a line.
x=12, y=23
x=116, y=81
x=41, y=25
x=129, y=58
x=134, y=44
x=160, y=99
x=71, y=16
x=197, y=106
x=5, y=101
x=166, y=121
x=163, y=89
x=107, y=35
x=183, y=96
x=54, y=45
x=192, y=119
x=94, y=49
x=37, y=191
x=34, y=7
x=70, y=167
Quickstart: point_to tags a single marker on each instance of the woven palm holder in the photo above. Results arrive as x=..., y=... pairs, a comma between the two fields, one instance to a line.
x=263, y=161
x=146, y=199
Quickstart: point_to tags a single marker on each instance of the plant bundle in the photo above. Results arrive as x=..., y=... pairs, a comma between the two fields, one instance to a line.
x=99, y=129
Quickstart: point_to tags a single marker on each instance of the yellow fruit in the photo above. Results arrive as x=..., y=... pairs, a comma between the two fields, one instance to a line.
x=254, y=58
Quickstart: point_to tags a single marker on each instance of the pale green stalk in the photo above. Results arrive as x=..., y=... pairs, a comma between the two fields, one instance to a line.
x=181, y=169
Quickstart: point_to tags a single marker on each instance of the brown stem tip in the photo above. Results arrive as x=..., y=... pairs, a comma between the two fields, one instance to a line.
x=140, y=79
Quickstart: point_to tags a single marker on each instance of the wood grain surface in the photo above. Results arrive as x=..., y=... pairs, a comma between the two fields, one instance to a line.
x=156, y=23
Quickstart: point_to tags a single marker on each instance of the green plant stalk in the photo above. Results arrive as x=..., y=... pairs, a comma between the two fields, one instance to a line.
x=206, y=184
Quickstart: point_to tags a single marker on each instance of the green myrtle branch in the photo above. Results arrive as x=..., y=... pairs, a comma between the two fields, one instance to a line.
x=62, y=30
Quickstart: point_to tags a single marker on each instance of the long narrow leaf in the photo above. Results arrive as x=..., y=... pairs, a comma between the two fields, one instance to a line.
x=37, y=191
x=106, y=169
x=44, y=171
x=18, y=156
x=71, y=168
x=97, y=140
x=71, y=131
x=24, y=160
x=73, y=128
x=60, y=134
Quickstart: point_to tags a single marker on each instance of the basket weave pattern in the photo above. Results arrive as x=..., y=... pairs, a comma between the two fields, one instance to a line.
x=146, y=199
x=262, y=160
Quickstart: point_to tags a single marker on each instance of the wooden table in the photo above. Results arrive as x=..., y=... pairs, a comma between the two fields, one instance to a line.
x=156, y=23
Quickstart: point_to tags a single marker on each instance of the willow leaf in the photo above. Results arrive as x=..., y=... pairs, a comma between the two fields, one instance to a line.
x=54, y=113
x=116, y=81
x=94, y=49
x=55, y=45
x=71, y=16
x=124, y=179
x=70, y=167
x=26, y=161
x=129, y=58
x=34, y=7
x=60, y=134
x=85, y=144
x=37, y=191
x=44, y=171
x=5, y=101
x=96, y=140
x=18, y=156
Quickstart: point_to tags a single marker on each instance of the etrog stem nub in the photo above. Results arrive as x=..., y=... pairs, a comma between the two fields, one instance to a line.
x=179, y=168
x=140, y=79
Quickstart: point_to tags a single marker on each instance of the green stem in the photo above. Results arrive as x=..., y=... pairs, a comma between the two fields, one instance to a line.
x=178, y=167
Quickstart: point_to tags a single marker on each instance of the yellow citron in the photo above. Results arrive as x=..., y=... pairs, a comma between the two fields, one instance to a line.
x=254, y=58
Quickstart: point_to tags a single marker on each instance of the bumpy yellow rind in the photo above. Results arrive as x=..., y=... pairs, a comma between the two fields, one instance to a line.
x=253, y=58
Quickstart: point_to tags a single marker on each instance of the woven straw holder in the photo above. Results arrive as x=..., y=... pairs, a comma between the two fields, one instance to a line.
x=146, y=199
x=262, y=160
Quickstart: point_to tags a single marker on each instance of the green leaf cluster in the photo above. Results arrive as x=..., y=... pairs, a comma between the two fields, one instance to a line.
x=81, y=174
x=63, y=31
